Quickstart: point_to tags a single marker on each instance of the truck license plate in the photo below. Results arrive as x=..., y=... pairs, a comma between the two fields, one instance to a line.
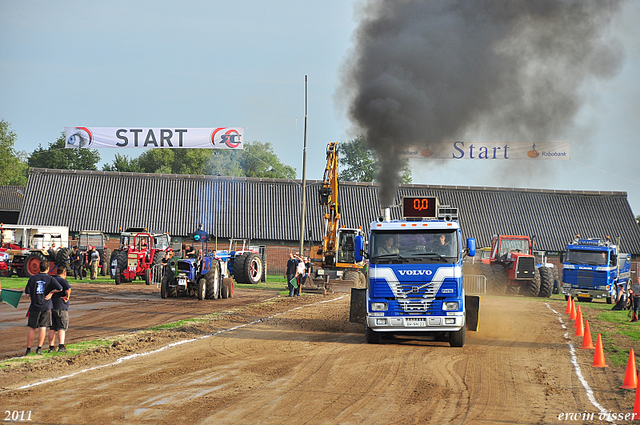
x=182, y=282
x=415, y=323
x=584, y=295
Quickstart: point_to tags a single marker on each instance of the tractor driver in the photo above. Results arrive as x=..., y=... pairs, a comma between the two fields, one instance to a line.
x=189, y=252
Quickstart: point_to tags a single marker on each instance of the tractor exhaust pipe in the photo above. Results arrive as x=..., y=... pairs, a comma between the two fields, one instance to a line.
x=386, y=214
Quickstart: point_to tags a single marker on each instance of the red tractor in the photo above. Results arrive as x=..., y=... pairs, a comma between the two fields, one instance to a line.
x=137, y=255
x=511, y=268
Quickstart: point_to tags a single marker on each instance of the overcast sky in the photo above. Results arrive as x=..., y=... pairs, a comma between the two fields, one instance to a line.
x=221, y=64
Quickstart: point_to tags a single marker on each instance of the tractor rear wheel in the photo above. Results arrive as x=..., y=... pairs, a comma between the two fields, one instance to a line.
x=147, y=277
x=238, y=268
x=32, y=263
x=500, y=279
x=263, y=278
x=111, y=269
x=62, y=258
x=532, y=289
x=486, y=271
x=118, y=277
x=253, y=269
x=213, y=281
x=546, y=282
x=202, y=288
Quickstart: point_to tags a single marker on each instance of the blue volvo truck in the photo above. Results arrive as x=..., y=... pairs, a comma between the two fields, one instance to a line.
x=415, y=282
x=592, y=268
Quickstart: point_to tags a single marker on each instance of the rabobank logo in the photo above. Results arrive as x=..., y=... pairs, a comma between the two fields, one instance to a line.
x=226, y=136
x=81, y=138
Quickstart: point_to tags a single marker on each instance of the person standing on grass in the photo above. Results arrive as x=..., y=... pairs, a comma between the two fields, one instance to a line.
x=95, y=259
x=40, y=288
x=300, y=270
x=60, y=312
x=635, y=292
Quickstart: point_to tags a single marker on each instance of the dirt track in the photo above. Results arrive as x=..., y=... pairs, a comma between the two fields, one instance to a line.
x=286, y=364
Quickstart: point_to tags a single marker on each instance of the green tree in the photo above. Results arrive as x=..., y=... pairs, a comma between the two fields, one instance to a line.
x=256, y=160
x=124, y=164
x=359, y=162
x=259, y=160
x=12, y=163
x=59, y=157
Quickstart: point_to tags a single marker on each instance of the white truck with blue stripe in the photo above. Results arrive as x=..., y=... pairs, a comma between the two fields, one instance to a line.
x=415, y=280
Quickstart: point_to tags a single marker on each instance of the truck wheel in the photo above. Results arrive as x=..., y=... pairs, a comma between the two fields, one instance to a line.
x=253, y=269
x=213, y=281
x=32, y=263
x=456, y=339
x=118, y=277
x=532, y=289
x=164, y=286
x=238, y=268
x=147, y=277
x=546, y=282
x=372, y=336
x=202, y=288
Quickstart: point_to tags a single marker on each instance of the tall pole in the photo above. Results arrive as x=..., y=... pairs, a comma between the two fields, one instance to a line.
x=304, y=171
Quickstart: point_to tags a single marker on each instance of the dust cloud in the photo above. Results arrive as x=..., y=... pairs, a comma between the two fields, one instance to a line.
x=428, y=72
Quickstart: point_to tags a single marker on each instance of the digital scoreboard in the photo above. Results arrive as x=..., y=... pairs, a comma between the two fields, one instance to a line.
x=419, y=207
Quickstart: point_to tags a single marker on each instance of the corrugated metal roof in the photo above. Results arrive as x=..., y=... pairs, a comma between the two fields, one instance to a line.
x=269, y=209
x=11, y=198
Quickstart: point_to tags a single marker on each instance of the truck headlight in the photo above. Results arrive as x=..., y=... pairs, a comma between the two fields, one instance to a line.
x=379, y=306
x=450, y=305
x=603, y=288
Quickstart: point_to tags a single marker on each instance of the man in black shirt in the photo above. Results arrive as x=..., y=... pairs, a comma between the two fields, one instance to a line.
x=60, y=312
x=290, y=274
x=40, y=288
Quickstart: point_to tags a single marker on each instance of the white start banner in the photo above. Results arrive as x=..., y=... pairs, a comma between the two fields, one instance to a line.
x=491, y=150
x=117, y=137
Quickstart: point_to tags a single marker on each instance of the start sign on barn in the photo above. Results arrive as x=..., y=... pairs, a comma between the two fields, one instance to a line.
x=121, y=137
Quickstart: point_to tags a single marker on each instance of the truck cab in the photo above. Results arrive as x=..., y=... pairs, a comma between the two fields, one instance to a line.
x=415, y=280
x=592, y=268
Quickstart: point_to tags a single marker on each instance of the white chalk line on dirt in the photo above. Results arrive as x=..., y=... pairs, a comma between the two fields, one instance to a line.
x=574, y=360
x=173, y=344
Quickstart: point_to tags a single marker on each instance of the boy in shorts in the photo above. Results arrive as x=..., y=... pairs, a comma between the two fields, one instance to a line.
x=60, y=312
x=40, y=288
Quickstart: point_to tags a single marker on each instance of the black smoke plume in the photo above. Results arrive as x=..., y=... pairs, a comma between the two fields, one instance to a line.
x=428, y=72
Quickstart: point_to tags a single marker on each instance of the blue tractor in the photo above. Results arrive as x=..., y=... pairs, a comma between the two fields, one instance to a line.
x=197, y=276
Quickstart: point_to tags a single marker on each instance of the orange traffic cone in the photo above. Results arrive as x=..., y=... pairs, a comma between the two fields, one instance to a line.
x=630, y=377
x=598, y=359
x=579, y=325
x=587, y=342
x=578, y=317
x=572, y=316
x=568, y=309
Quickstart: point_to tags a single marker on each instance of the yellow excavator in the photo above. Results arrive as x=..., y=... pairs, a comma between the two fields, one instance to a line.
x=336, y=255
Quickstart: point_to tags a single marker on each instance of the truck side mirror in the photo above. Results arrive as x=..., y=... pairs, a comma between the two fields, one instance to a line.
x=358, y=245
x=471, y=247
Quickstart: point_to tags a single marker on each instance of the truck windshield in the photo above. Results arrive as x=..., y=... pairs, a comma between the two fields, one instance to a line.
x=593, y=258
x=435, y=246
